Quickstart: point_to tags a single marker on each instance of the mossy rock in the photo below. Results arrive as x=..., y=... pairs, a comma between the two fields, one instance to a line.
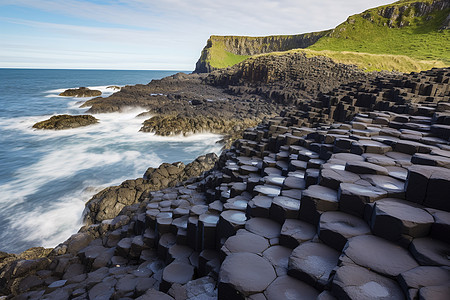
x=81, y=92
x=66, y=122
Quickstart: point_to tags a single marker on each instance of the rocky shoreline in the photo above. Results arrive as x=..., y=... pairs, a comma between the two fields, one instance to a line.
x=342, y=195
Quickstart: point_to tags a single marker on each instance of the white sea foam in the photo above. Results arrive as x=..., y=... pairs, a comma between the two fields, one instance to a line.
x=115, y=142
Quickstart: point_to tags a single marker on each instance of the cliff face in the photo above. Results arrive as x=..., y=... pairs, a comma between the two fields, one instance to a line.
x=224, y=51
x=416, y=29
x=403, y=12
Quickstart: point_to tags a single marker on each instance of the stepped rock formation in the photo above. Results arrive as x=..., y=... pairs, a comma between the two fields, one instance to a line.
x=355, y=208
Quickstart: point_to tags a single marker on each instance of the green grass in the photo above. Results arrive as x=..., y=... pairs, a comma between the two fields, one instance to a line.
x=372, y=62
x=367, y=33
x=220, y=58
x=370, y=41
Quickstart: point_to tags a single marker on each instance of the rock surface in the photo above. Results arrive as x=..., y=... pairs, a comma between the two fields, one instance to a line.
x=81, y=92
x=61, y=122
x=270, y=220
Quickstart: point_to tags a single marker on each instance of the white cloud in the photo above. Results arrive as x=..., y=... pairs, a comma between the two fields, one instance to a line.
x=170, y=30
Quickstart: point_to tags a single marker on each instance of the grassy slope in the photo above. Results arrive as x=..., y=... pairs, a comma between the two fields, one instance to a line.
x=373, y=62
x=366, y=41
x=421, y=40
x=220, y=58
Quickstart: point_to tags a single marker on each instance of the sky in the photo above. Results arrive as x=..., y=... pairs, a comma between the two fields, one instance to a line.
x=149, y=34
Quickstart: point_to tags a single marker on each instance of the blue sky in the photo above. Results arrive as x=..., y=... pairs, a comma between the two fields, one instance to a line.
x=148, y=34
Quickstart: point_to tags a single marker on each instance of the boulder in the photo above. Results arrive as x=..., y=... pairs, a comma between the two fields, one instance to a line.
x=61, y=122
x=81, y=92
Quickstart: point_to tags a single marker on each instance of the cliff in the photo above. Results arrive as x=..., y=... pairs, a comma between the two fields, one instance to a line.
x=224, y=51
x=415, y=29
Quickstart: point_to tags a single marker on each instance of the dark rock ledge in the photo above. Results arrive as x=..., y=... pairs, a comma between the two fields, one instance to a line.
x=354, y=208
x=61, y=122
x=81, y=92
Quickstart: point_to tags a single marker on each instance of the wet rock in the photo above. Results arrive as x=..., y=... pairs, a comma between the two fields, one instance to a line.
x=245, y=242
x=313, y=263
x=392, y=218
x=207, y=228
x=354, y=197
x=441, y=226
x=431, y=252
x=434, y=292
x=230, y=221
x=176, y=272
x=81, y=92
x=259, y=206
x=354, y=282
x=286, y=287
x=278, y=256
x=61, y=122
x=294, y=232
x=152, y=294
x=236, y=271
x=379, y=255
x=423, y=276
x=202, y=288
x=332, y=178
x=263, y=227
x=315, y=200
x=361, y=167
x=283, y=208
x=335, y=228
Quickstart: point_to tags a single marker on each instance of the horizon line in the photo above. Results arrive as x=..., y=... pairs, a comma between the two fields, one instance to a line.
x=32, y=68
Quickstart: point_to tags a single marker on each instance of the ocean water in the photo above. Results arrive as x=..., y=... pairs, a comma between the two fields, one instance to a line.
x=47, y=176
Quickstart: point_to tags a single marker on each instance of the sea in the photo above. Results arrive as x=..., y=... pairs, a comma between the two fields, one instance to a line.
x=47, y=176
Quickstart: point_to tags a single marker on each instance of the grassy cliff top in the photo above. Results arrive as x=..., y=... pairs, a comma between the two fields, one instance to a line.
x=404, y=36
x=403, y=28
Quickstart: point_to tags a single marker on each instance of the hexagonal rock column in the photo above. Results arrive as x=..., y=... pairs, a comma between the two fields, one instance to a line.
x=264, y=227
x=411, y=281
x=361, y=167
x=426, y=185
x=176, y=272
x=244, y=241
x=332, y=178
x=431, y=252
x=335, y=228
x=354, y=282
x=206, y=234
x=230, y=221
x=312, y=263
x=244, y=274
x=400, y=221
x=294, y=232
x=283, y=208
x=394, y=187
x=354, y=197
x=278, y=256
x=315, y=200
x=287, y=288
x=259, y=206
x=379, y=255
x=441, y=226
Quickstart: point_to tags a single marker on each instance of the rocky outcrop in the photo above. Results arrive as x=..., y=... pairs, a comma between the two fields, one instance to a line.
x=81, y=92
x=243, y=45
x=401, y=14
x=356, y=209
x=108, y=203
x=61, y=122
